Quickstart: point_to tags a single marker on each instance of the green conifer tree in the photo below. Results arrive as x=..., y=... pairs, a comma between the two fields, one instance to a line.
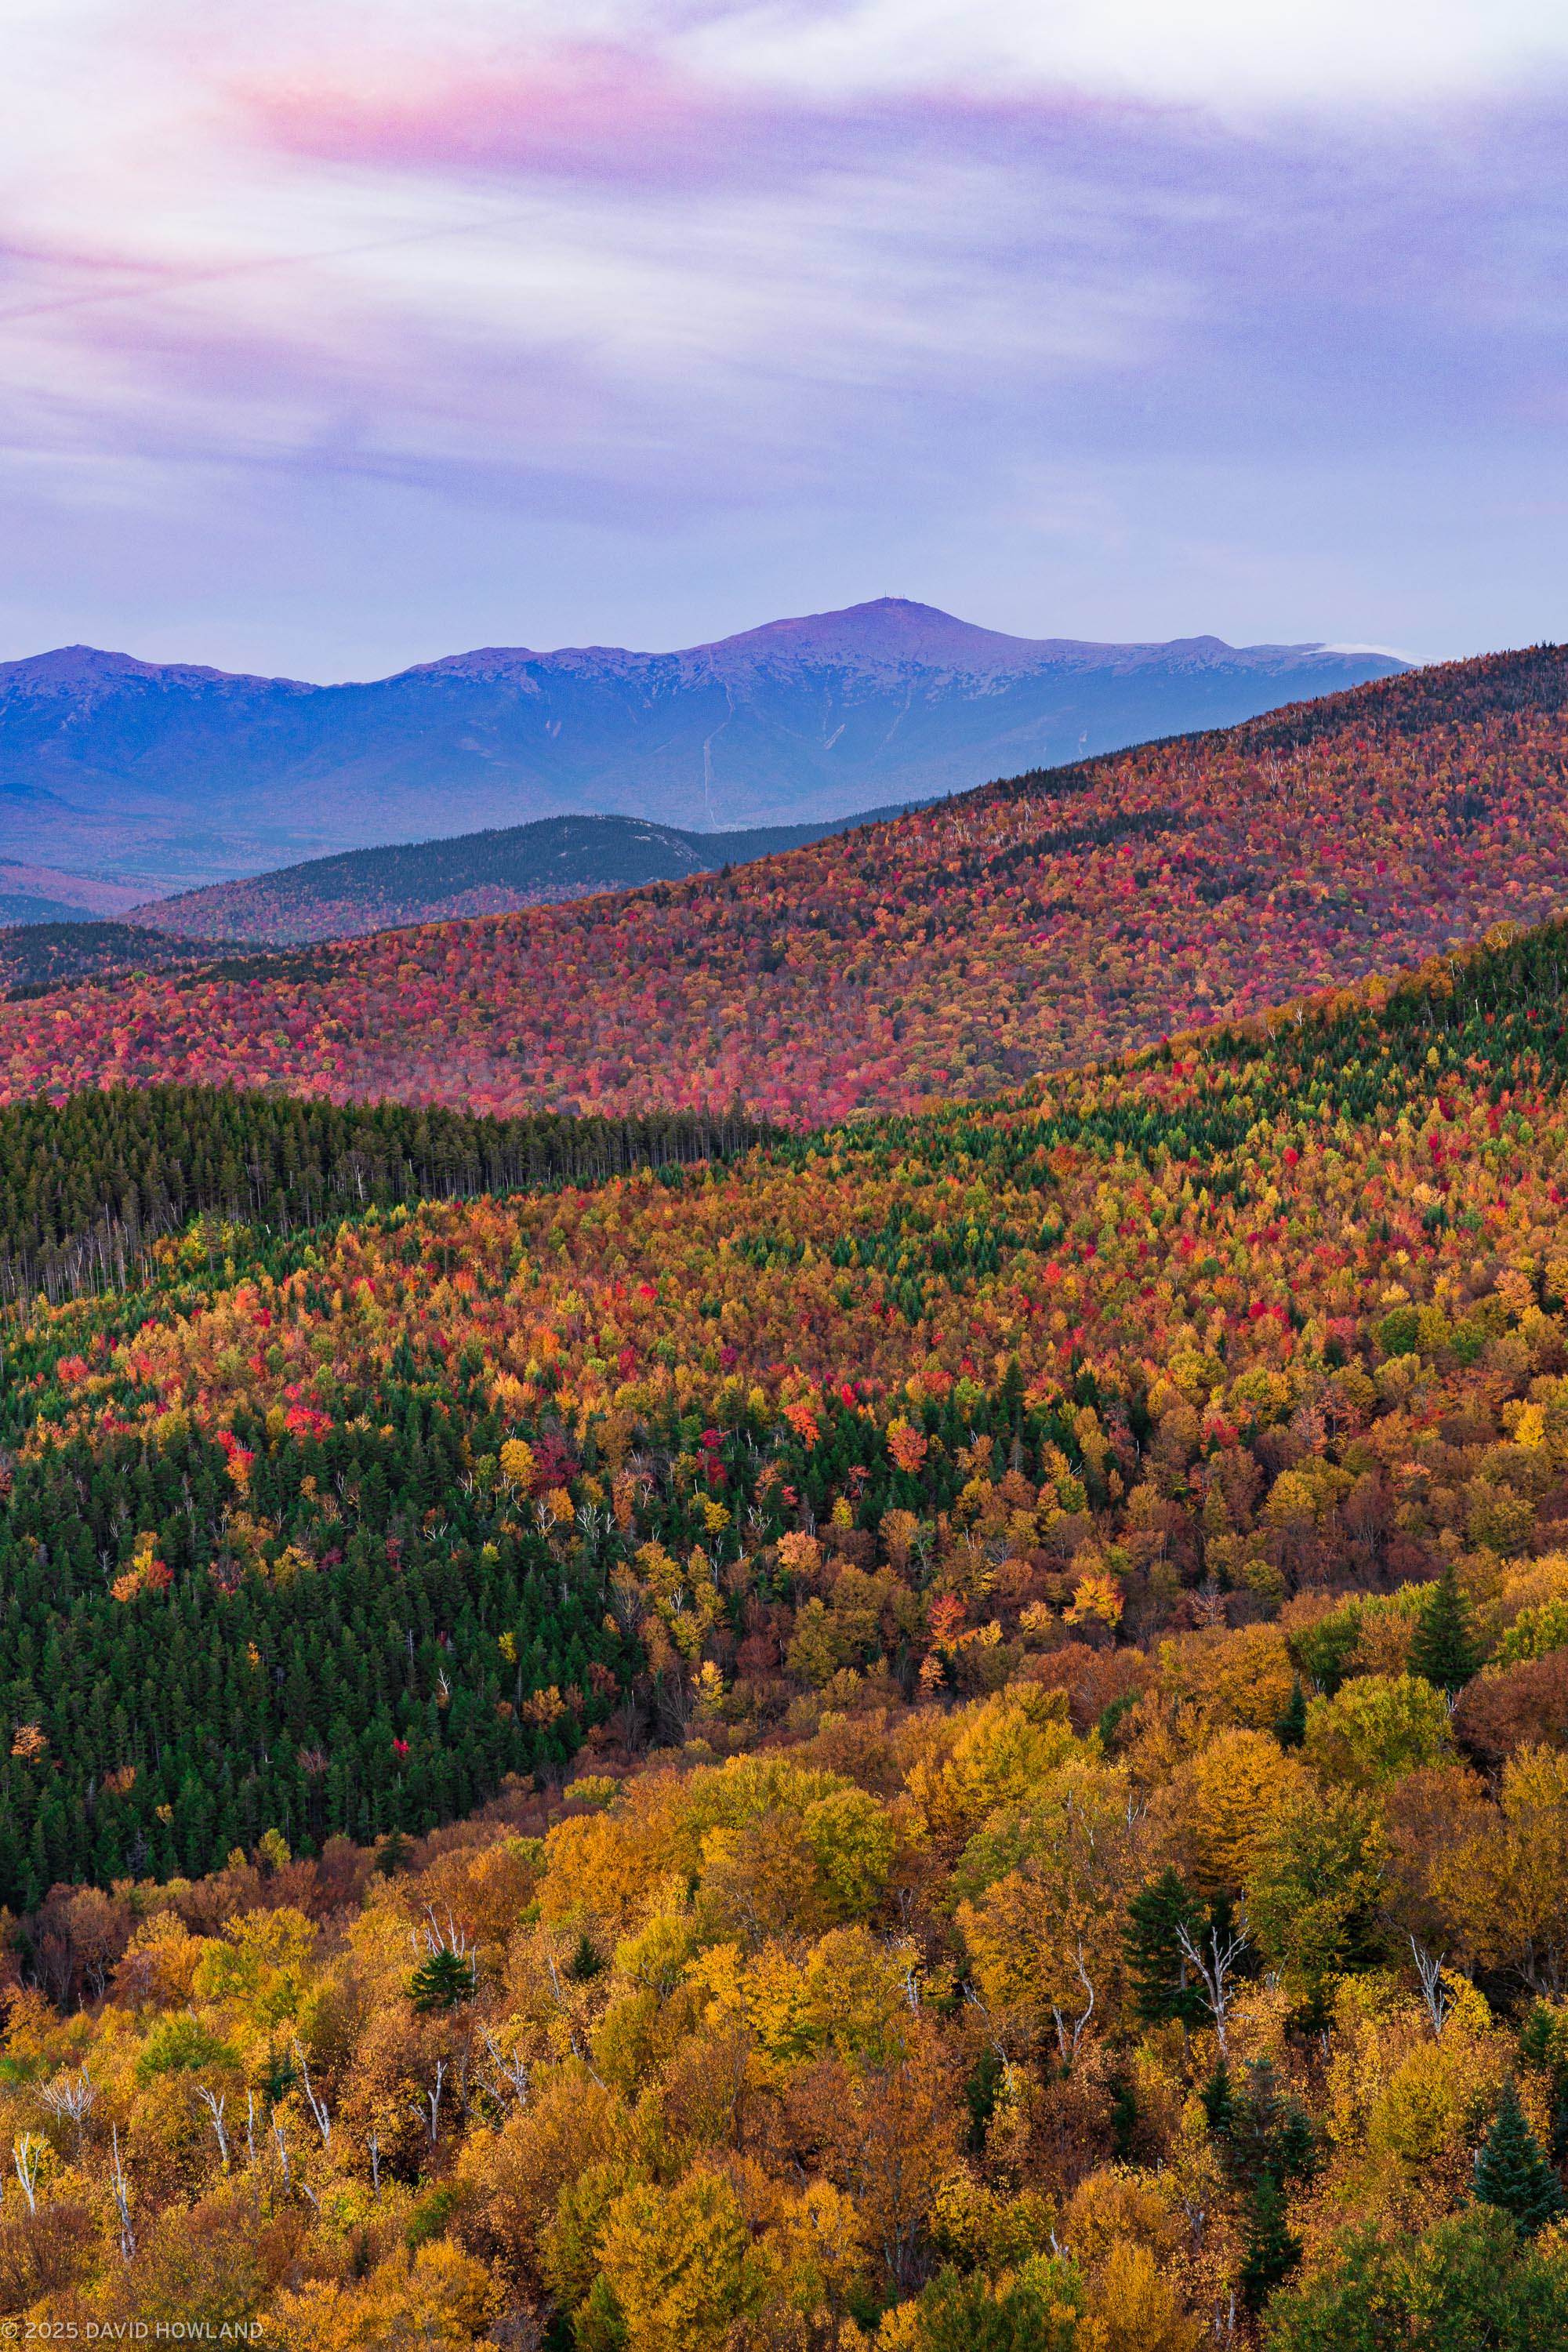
x=1512, y=2174
x=1265, y=2142
x=1270, y=2250
x=1291, y=1723
x=443, y=1981
x=1445, y=1650
x=1165, y=1985
x=584, y=1962
x=1218, y=2100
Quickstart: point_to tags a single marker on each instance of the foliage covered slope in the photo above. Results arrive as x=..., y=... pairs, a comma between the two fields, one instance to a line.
x=86, y=1186
x=796, y=2053
x=1189, y=1336
x=1025, y=1534
x=954, y=953
x=471, y=874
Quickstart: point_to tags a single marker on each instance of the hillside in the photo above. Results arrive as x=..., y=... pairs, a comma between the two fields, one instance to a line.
x=1025, y=1533
x=1233, y=1238
x=173, y=770
x=475, y=874
x=957, y=951
x=86, y=1190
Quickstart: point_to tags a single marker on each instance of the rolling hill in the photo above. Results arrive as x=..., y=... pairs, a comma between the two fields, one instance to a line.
x=955, y=950
x=476, y=874
x=194, y=776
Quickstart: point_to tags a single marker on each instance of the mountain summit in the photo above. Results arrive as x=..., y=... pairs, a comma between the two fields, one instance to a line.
x=891, y=632
x=194, y=774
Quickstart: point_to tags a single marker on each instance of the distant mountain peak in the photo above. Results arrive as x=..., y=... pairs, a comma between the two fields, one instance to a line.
x=884, y=636
x=889, y=631
x=86, y=665
x=75, y=665
x=888, y=628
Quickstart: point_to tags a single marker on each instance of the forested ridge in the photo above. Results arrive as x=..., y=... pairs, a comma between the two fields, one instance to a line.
x=35, y=957
x=954, y=953
x=471, y=873
x=1007, y=1667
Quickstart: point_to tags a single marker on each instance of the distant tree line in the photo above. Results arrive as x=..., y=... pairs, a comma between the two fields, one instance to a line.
x=87, y=1184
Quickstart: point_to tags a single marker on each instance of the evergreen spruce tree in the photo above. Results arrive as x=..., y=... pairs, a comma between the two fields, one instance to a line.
x=1537, y=2037
x=1512, y=2174
x=1218, y=2101
x=443, y=1981
x=1291, y=1723
x=1265, y=2141
x=1163, y=1983
x=1445, y=1650
x=1271, y=2250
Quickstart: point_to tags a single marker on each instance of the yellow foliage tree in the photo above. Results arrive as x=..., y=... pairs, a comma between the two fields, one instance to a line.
x=677, y=2265
x=1005, y=1746
x=1221, y=1801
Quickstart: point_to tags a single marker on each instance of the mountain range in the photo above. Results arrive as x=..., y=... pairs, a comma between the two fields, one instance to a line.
x=1061, y=917
x=170, y=776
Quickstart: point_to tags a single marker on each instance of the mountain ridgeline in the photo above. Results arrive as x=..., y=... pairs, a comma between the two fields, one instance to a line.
x=192, y=776
x=476, y=874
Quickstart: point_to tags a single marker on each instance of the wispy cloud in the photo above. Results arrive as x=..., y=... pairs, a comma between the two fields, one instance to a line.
x=586, y=283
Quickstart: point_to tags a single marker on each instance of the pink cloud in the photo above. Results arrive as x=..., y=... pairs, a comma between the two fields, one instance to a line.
x=607, y=113
x=582, y=110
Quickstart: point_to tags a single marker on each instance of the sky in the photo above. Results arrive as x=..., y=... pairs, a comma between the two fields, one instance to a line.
x=341, y=334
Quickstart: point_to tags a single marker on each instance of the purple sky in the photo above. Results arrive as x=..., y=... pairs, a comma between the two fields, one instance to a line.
x=359, y=333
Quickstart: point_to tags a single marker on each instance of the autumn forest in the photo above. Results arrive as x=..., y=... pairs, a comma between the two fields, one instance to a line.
x=822, y=1609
